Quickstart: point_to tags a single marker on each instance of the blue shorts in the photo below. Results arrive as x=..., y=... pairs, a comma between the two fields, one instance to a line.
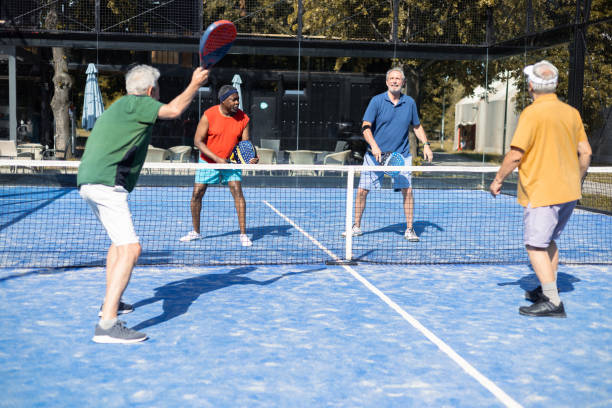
x=214, y=176
x=372, y=180
x=545, y=224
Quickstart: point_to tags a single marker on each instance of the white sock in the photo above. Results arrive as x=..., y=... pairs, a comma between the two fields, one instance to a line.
x=107, y=324
x=550, y=291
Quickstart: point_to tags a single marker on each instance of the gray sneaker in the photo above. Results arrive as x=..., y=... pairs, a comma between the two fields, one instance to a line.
x=117, y=334
x=410, y=235
x=124, y=308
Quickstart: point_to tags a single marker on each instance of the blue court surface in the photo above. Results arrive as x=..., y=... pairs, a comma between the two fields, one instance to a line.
x=307, y=336
x=300, y=335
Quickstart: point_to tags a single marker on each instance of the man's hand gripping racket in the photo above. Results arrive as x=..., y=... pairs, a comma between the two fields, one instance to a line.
x=391, y=159
x=244, y=153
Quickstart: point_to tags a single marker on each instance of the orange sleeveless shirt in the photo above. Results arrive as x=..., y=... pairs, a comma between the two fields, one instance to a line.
x=224, y=132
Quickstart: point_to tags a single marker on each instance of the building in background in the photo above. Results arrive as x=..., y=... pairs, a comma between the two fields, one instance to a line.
x=486, y=124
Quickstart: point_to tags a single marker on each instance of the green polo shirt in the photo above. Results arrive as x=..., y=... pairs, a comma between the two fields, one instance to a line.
x=117, y=146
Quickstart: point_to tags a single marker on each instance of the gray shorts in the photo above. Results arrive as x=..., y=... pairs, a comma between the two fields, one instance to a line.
x=545, y=224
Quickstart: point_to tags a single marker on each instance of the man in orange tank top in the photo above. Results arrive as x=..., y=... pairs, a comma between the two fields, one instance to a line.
x=219, y=131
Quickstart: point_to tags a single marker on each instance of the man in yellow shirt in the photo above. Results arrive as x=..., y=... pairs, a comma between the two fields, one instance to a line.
x=552, y=152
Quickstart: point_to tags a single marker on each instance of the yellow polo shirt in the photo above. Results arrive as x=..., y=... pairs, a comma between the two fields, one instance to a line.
x=548, y=132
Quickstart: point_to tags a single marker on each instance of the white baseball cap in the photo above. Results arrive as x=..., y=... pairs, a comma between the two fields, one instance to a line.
x=532, y=72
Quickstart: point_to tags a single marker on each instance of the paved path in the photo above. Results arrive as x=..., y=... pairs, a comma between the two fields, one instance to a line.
x=450, y=159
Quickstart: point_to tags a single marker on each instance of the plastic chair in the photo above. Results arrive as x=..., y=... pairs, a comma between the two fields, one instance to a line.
x=340, y=146
x=8, y=150
x=156, y=154
x=336, y=158
x=266, y=156
x=180, y=154
x=302, y=157
x=35, y=149
x=273, y=144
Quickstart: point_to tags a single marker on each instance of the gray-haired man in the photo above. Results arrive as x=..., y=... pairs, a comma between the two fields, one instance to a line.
x=113, y=157
x=551, y=150
x=386, y=124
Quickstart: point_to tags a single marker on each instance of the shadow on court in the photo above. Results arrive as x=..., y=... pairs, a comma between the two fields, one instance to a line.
x=54, y=270
x=42, y=271
x=400, y=228
x=258, y=233
x=178, y=296
x=154, y=258
x=97, y=260
x=29, y=205
x=565, y=282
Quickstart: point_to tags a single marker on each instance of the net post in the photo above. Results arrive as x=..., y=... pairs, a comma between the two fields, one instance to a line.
x=348, y=227
x=348, y=224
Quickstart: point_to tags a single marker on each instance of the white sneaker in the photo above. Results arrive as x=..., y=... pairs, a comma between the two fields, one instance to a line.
x=245, y=241
x=356, y=231
x=410, y=235
x=191, y=236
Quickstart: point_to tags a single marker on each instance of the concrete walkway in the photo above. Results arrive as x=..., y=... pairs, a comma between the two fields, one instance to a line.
x=450, y=159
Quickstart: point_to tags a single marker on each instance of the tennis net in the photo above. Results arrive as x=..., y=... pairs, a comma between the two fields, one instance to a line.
x=294, y=214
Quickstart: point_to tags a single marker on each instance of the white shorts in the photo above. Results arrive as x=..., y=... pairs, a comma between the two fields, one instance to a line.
x=372, y=180
x=110, y=206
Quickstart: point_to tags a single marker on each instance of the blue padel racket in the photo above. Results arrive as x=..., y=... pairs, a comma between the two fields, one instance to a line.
x=216, y=42
x=243, y=153
x=392, y=159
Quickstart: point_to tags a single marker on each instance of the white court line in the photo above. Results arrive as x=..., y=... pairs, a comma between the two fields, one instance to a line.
x=445, y=348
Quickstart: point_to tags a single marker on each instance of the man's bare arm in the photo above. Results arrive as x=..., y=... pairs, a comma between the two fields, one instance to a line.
x=200, y=138
x=584, y=157
x=419, y=132
x=369, y=138
x=177, y=106
x=511, y=162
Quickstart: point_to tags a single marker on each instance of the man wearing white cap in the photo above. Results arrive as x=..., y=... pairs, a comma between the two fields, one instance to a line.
x=552, y=152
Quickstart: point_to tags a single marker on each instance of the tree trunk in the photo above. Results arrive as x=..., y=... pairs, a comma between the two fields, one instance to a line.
x=46, y=119
x=413, y=86
x=60, y=102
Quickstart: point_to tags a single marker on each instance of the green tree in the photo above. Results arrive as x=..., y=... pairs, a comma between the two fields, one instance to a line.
x=463, y=22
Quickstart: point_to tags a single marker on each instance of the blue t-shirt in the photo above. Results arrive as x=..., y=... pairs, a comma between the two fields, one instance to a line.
x=391, y=123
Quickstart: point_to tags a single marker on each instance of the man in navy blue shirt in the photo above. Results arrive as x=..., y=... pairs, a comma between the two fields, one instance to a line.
x=386, y=125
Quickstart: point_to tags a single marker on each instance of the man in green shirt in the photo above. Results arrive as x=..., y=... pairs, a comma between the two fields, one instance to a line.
x=114, y=155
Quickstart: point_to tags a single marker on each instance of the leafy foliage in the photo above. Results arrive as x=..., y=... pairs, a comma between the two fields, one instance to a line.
x=431, y=83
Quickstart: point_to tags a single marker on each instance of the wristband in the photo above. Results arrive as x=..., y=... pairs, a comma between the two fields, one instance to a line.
x=426, y=144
